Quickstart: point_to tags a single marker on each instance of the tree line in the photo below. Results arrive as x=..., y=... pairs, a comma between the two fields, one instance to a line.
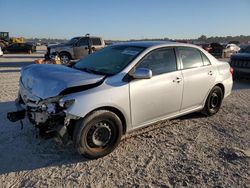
x=240, y=38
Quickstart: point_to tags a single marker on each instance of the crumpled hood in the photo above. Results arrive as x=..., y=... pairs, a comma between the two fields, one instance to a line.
x=48, y=80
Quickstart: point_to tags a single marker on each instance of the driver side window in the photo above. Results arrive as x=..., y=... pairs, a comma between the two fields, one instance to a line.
x=160, y=61
x=83, y=42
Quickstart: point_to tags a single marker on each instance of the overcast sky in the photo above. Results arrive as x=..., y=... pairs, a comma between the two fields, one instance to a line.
x=128, y=19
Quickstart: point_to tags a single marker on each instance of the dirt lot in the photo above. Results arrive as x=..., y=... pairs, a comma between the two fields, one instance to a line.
x=192, y=151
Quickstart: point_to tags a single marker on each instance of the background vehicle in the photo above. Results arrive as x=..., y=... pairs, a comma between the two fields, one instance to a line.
x=52, y=44
x=1, y=52
x=20, y=48
x=76, y=48
x=216, y=50
x=119, y=89
x=223, y=51
x=230, y=49
x=241, y=63
x=206, y=46
x=5, y=40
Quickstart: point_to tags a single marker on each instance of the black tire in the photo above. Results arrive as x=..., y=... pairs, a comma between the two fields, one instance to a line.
x=98, y=134
x=65, y=58
x=213, y=102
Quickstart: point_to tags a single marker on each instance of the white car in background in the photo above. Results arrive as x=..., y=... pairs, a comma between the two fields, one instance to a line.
x=1, y=52
x=229, y=50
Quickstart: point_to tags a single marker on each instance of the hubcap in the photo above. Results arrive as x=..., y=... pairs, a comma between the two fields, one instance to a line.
x=64, y=59
x=99, y=135
x=214, y=100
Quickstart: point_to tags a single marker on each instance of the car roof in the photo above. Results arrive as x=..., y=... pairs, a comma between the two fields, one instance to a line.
x=148, y=44
x=88, y=37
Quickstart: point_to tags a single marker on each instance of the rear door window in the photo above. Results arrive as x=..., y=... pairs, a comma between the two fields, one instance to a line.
x=96, y=41
x=205, y=59
x=190, y=57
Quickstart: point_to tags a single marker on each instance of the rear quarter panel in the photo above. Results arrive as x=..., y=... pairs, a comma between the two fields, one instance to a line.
x=224, y=76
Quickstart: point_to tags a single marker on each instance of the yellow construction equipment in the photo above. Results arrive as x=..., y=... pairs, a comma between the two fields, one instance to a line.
x=5, y=40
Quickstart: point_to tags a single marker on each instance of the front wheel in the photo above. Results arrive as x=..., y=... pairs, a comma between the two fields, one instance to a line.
x=65, y=58
x=98, y=134
x=213, y=102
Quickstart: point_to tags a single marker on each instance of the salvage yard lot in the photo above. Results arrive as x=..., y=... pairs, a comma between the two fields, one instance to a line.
x=189, y=151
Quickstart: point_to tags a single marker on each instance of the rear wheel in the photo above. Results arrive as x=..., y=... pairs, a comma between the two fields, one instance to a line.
x=98, y=134
x=213, y=102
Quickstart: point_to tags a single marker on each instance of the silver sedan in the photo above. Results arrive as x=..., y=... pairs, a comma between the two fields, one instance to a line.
x=121, y=88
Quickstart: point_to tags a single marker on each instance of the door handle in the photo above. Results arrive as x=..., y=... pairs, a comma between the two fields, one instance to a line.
x=210, y=73
x=177, y=80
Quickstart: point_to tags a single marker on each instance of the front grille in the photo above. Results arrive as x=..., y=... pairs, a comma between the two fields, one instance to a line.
x=240, y=63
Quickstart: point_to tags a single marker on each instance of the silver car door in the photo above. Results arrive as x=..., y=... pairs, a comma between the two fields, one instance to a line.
x=199, y=77
x=155, y=98
x=81, y=48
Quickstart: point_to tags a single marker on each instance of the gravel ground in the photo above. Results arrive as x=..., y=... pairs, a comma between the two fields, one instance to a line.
x=191, y=151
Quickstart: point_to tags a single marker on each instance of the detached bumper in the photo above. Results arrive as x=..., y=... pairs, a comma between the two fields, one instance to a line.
x=16, y=116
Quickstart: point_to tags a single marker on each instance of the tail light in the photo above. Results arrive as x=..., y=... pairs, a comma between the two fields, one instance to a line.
x=231, y=70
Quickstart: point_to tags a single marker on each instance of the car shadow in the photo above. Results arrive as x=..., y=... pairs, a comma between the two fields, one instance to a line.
x=25, y=150
x=194, y=115
x=14, y=64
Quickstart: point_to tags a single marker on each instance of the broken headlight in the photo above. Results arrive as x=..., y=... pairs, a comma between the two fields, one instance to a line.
x=50, y=108
x=66, y=103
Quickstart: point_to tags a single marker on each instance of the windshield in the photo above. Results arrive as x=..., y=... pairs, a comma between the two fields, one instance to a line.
x=72, y=41
x=109, y=60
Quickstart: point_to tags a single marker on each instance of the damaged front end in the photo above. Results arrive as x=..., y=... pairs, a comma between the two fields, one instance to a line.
x=47, y=115
x=43, y=90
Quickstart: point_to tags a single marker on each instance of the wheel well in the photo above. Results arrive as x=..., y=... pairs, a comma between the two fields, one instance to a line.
x=65, y=52
x=222, y=87
x=117, y=112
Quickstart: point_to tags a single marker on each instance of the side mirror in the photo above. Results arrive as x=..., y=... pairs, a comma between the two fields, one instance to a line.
x=142, y=73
